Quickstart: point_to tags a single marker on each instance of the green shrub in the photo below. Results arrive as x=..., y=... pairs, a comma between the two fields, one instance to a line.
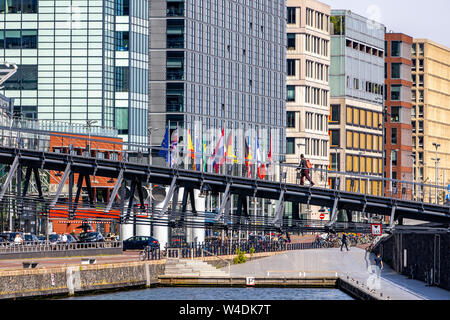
x=240, y=258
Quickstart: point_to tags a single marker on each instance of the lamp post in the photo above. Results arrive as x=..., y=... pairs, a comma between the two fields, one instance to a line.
x=89, y=124
x=436, y=161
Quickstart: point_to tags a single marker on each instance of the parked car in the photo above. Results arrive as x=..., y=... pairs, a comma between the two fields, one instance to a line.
x=92, y=236
x=10, y=236
x=140, y=242
x=58, y=239
x=30, y=239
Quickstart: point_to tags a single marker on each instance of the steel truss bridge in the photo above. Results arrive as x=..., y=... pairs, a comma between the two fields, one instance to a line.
x=138, y=174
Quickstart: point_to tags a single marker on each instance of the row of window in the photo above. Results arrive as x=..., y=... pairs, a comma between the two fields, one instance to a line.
x=103, y=154
x=365, y=85
x=363, y=164
x=18, y=39
x=18, y=6
x=317, y=71
x=363, y=141
x=356, y=116
x=363, y=186
x=364, y=48
x=317, y=19
x=421, y=49
x=313, y=147
x=316, y=121
x=316, y=45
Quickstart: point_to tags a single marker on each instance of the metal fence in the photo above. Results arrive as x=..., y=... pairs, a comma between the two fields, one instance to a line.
x=222, y=248
x=48, y=247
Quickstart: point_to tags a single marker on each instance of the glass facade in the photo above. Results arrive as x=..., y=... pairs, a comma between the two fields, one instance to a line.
x=224, y=66
x=79, y=60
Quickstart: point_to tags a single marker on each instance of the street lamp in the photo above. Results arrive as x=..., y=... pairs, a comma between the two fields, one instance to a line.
x=436, y=145
x=89, y=124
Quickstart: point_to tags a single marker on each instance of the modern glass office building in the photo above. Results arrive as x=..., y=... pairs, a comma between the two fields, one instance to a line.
x=79, y=60
x=220, y=64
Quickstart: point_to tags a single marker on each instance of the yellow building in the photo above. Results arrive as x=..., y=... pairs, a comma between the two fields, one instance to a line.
x=430, y=115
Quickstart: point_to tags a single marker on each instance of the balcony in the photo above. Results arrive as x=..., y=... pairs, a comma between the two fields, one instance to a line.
x=175, y=74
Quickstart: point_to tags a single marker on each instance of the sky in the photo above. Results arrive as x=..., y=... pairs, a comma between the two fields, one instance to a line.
x=417, y=18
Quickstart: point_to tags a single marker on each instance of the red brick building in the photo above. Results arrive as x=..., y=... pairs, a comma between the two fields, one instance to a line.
x=398, y=162
x=101, y=148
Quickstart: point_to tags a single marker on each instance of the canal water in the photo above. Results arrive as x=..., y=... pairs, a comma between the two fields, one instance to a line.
x=191, y=293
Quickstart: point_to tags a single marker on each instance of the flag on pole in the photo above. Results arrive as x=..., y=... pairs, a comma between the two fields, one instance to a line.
x=191, y=149
x=229, y=150
x=260, y=161
x=198, y=150
x=219, y=153
x=174, y=147
x=270, y=158
x=164, y=152
x=248, y=157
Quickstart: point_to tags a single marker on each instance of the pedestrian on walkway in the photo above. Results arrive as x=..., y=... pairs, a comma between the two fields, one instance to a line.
x=304, y=167
x=18, y=239
x=344, y=241
x=378, y=264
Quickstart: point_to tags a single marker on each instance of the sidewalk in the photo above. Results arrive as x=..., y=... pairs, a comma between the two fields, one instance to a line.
x=357, y=264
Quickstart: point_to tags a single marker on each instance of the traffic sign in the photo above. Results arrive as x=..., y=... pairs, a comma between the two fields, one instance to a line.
x=376, y=229
x=322, y=216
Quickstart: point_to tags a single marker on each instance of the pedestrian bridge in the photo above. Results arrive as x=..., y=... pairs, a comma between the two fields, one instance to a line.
x=27, y=151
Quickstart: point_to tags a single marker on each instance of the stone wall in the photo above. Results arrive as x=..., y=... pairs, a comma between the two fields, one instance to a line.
x=423, y=256
x=77, y=279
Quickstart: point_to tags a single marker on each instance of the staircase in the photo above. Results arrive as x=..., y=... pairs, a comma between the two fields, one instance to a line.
x=189, y=267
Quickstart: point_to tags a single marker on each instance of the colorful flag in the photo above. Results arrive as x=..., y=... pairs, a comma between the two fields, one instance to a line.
x=248, y=157
x=164, y=152
x=219, y=153
x=174, y=147
x=260, y=161
x=270, y=158
x=198, y=150
x=229, y=150
x=191, y=149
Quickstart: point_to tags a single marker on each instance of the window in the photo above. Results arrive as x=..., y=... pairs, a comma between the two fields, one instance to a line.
x=175, y=8
x=290, y=93
x=394, y=158
x=291, y=41
x=335, y=113
x=335, y=161
x=395, y=70
x=413, y=49
x=122, y=38
x=362, y=120
x=290, y=118
x=369, y=140
x=393, y=136
x=337, y=25
x=291, y=15
x=122, y=7
x=396, y=48
x=26, y=78
x=121, y=79
x=369, y=119
x=175, y=65
x=421, y=49
x=349, y=115
x=290, y=145
x=335, y=138
x=349, y=139
x=121, y=120
x=12, y=39
x=395, y=92
x=175, y=33
x=174, y=97
x=395, y=114
x=355, y=140
x=291, y=67
x=356, y=116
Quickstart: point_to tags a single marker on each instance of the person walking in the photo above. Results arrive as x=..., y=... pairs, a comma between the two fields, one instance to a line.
x=344, y=241
x=18, y=239
x=378, y=264
x=304, y=167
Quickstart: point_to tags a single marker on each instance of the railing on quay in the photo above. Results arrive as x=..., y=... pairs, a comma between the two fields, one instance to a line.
x=30, y=246
x=224, y=248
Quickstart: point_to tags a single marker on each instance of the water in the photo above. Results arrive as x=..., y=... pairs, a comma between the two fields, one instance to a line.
x=191, y=293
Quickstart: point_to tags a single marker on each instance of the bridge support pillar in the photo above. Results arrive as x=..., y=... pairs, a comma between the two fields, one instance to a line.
x=196, y=229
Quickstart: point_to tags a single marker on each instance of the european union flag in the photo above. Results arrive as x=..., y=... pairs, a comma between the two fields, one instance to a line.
x=164, y=152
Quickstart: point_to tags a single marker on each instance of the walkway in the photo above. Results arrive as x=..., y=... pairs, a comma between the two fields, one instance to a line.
x=357, y=264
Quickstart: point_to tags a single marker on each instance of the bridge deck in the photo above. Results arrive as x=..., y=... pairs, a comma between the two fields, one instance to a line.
x=356, y=263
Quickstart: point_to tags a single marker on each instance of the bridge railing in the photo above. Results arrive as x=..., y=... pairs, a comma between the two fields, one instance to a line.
x=31, y=246
x=365, y=177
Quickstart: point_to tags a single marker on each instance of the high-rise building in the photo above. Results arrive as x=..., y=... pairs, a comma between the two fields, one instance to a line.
x=397, y=119
x=79, y=60
x=308, y=91
x=219, y=65
x=430, y=114
x=356, y=85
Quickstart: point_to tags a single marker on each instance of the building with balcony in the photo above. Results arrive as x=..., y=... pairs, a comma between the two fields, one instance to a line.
x=398, y=160
x=430, y=114
x=79, y=60
x=219, y=65
x=308, y=90
x=356, y=108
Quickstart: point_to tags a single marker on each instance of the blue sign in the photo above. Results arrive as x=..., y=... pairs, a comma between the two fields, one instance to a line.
x=448, y=188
